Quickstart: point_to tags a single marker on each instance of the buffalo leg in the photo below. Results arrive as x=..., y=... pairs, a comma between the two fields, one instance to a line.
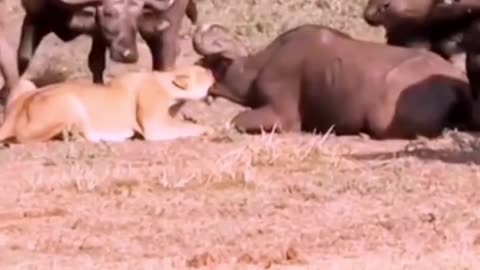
x=282, y=111
x=164, y=49
x=31, y=36
x=473, y=72
x=472, y=48
x=96, y=59
x=8, y=67
x=192, y=11
x=262, y=119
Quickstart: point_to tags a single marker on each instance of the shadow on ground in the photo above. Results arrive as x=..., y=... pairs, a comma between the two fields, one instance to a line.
x=461, y=151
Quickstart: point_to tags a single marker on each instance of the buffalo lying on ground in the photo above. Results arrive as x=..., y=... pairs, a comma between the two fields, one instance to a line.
x=313, y=77
x=422, y=24
x=112, y=24
x=8, y=65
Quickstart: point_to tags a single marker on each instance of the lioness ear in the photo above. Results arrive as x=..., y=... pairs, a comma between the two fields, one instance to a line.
x=181, y=81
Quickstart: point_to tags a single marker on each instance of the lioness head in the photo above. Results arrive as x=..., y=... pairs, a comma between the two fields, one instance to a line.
x=192, y=82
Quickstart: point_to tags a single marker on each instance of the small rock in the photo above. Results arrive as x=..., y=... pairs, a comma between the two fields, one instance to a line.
x=291, y=254
x=428, y=218
x=201, y=260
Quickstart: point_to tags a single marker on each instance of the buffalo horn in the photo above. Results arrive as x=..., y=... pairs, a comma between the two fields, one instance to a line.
x=82, y=3
x=159, y=5
x=198, y=42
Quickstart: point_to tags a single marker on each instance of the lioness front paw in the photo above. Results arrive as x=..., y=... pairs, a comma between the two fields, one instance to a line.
x=229, y=125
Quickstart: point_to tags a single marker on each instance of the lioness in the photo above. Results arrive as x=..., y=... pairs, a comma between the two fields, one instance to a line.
x=143, y=103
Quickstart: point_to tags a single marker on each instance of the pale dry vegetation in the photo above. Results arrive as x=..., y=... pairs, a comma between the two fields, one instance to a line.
x=234, y=201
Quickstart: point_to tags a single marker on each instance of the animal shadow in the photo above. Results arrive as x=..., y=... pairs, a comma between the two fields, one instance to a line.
x=461, y=151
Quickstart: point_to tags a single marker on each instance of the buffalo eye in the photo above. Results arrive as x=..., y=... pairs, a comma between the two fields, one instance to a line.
x=108, y=13
x=385, y=5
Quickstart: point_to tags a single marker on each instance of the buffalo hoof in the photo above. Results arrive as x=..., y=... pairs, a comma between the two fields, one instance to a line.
x=126, y=56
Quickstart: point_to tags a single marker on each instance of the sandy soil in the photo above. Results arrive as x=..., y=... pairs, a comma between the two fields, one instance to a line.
x=234, y=201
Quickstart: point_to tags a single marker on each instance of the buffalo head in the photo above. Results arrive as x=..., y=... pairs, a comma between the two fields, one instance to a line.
x=217, y=46
x=116, y=22
x=227, y=58
x=391, y=12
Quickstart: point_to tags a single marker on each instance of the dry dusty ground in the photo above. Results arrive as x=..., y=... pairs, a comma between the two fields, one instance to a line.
x=233, y=201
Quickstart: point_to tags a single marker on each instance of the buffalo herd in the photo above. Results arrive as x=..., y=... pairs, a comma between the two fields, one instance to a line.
x=425, y=78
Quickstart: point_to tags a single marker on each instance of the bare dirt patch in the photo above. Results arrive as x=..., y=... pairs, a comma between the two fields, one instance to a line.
x=234, y=201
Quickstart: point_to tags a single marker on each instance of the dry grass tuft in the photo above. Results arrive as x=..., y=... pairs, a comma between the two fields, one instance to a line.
x=70, y=164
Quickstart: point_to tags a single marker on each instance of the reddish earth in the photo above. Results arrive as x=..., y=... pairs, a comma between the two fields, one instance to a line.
x=233, y=201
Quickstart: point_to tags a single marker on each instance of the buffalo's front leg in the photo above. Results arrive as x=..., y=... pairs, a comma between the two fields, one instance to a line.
x=279, y=91
x=472, y=47
x=264, y=119
x=164, y=49
x=473, y=71
x=96, y=59
x=8, y=67
x=31, y=35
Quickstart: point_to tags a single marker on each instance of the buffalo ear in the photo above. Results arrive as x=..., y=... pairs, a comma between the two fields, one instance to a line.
x=181, y=81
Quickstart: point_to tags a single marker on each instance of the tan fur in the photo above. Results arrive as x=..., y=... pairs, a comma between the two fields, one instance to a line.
x=22, y=90
x=138, y=102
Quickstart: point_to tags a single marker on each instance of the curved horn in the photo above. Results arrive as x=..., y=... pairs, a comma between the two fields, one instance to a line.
x=81, y=3
x=198, y=40
x=159, y=5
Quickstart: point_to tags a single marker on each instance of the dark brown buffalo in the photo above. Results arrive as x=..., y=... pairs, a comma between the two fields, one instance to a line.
x=458, y=6
x=111, y=23
x=471, y=37
x=164, y=46
x=313, y=77
x=421, y=24
x=450, y=28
